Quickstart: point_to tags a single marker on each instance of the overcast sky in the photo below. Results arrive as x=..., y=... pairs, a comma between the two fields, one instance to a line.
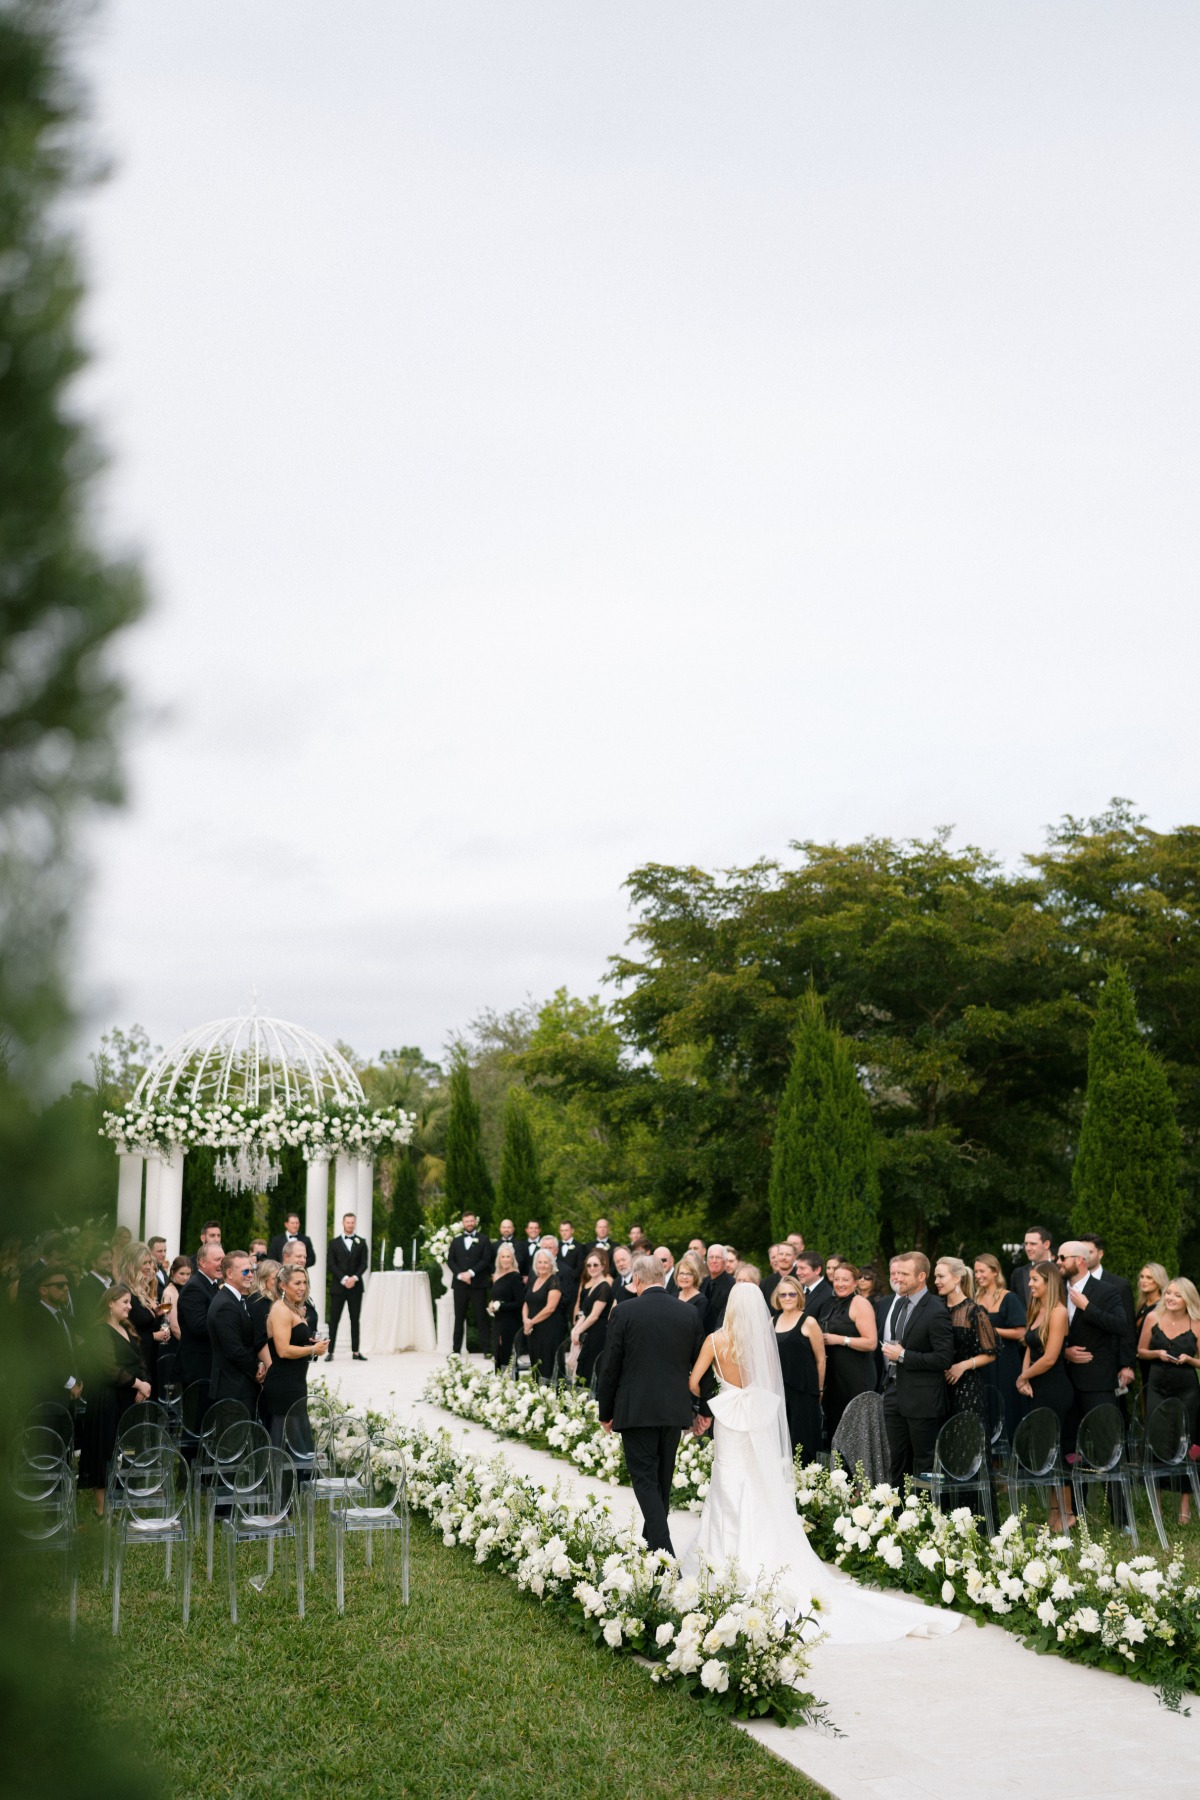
x=567, y=436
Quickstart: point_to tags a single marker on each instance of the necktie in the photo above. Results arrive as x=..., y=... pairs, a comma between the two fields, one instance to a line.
x=900, y=1319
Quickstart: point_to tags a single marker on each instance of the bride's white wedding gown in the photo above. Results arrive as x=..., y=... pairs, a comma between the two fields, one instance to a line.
x=750, y=1518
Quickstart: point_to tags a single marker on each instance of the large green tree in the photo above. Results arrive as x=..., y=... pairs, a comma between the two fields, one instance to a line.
x=521, y=1188
x=824, y=1173
x=1125, y=1183
x=468, y=1186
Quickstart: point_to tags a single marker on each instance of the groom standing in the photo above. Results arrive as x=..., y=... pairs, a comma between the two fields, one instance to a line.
x=643, y=1390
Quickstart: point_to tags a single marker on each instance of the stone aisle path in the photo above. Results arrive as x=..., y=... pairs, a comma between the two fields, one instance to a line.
x=921, y=1716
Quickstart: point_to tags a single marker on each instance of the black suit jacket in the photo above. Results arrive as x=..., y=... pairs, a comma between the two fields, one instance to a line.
x=570, y=1258
x=348, y=1262
x=717, y=1292
x=821, y=1300
x=54, y=1353
x=621, y=1293
x=478, y=1259
x=1101, y=1328
x=928, y=1352
x=523, y=1249
x=276, y=1245
x=234, y=1361
x=648, y=1357
x=86, y=1298
x=1128, y=1347
x=195, y=1345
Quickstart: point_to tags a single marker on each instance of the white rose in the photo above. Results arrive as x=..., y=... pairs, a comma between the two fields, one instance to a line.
x=714, y=1676
x=612, y=1632
x=947, y=1591
x=663, y=1635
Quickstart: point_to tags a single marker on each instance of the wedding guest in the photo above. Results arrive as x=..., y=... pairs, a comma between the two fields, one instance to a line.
x=54, y=1352
x=508, y=1291
x=469, y=1259
x=1096, y=1331
x=638, y=1245
x=782, y=1259
x=178, y=1276
x=120, y=1237
x=1094, y=1256
x=543, y=1318
x=349, y=1264
x=622, y=1275
x=567, y=1278
x=666, y=1263
x=210, y=1233
x=749, y=1272
x=802, y=1360
x=195, y=1346
x=592, y=1308
x=1008, y=1323
x=974, y=1338
x=1044, y=1379
x=1037, y=1251
x=526, y=1249
x=818, y=1291
x=869, y=1286
x=698, y=1247
x=1152, y=1283
x=260, y=1302
x=850, y=1336
x=258, y=1249
x=796, y=1240
x=291, y=1231
x=918, y=1348
x=570, y=1256
x=720, y=1286
x=731, y=1260
x=236, y=1371
x=1168, y=1350
x=96, y=1281
x=135, y=1268
x=689, y=1282
x=293, y=1345
x=115, y=1380
x=157, y=1247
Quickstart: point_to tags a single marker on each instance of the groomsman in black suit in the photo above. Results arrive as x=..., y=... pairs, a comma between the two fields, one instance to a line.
x=524, y=1251
x=819, y=1297
x=1127, y=1373
x=236, y=1370
x=622, y=1267
x=506, y=1237
x=291, y=1230
x=348, y=1258
x=564, y=1267
x=1037, y=1249
x=569, y=1254
x=199, y=1291
x=918, y=1348
x=601, y=1241
x=643, y=1391
x=470, y=1258
x=1095, y=1330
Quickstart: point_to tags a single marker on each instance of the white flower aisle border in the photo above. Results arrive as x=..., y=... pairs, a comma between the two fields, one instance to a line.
x=1087, y=1600
x=735, y=1652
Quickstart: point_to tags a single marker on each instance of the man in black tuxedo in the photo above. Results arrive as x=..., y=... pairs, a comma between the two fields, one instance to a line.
x=157, y=1247
x=643, y=1391
x=199, y=1291
x=622, y=1281
x=601, y=1241
x=569, y=1253
x=1094, y=1251
x=236, y=1370
x=1095, y=1330
x=819, y=1297
x=348, y=1258
x=210, y=1233
x=507, y=1236
x=291, y=1229
x=716, y=1288
x=48, y=1333
x=528, y=1247
x=564, y=1267
x=470, y=1258
x=918, y=1348
x=1037, y=1249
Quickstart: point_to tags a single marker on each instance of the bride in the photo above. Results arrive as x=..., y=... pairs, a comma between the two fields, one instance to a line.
x=750, y=1515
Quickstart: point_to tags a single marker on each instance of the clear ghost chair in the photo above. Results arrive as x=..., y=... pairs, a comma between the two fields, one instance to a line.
x=217, y=1420
x=341, y=1470
x=1100, y=1461
x=384, y=1515
x=139, y=1441
x=42, y=1489
x=157, y=1510
x=960, y=1465
x=53, y=1417
x=1036, y=1465
x=266, y=1510
x=230, y=1449
x=1166, y=1454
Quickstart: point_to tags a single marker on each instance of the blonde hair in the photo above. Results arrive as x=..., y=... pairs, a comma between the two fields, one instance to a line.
x=1187, y=1293
x=292, y=1270
x=787, y=1281
x=129, y=1270
x=993, y=1263
x=505, y=1250
x=265, y=1281
x=691, y=1262
x=1158, y=1275
x=960, y=1272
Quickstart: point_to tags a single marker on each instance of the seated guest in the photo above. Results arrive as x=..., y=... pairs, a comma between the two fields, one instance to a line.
x=851, y=1338
x=689, y=1282
x=591, y=1314
x=291, y=1344
x=178, y=1276
x=508, y=1291
x=135, y=1267
x=802, y=1359
x=1170, y=1354
x=543, y=1317
x=622, y=1263
x=115, y=1381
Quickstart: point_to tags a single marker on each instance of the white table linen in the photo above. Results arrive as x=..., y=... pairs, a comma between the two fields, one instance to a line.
x=397, y=1313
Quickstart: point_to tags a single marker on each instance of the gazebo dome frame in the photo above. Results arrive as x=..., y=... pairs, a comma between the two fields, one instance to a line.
x=250, y=1062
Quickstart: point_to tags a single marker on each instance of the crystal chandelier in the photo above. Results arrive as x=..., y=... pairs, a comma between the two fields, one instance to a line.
x=249, y=1172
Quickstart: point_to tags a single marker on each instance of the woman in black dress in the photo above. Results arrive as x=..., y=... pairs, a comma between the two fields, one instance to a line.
x=851, y=1337
x=114, y=1381
x=542, y=1317
x=508, y=1291
x=997, y=1299
x=1151, y=1285
x=1044, y=1379
x=690, y=1278
x=802, y=1360
x=1167, y=1349
x=258, y=1305
x=293, y=1344
x=974, y=1338
x=135, y=1268
x=592, y=1307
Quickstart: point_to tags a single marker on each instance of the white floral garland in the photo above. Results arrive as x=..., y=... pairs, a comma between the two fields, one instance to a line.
x=321, y=1133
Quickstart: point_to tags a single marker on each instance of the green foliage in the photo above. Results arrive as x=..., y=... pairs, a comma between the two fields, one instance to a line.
x=520, y=1192
x=1125, y=1181
x=824, y=1177
x=468, y=1187
x=407, y=1217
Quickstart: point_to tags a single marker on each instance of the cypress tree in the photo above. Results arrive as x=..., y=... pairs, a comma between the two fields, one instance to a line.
x=824, y=1177
x=468, y=1185
x=520, y=1180
x=1125, y=1182
x=408, y=1217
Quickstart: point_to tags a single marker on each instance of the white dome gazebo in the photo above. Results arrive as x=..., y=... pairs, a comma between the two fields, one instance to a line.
x=234, y=1070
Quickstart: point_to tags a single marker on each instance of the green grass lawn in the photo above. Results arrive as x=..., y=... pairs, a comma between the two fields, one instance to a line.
x=474, y=1690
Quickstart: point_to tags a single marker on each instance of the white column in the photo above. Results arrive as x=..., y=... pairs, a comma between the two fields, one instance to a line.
x=366, y=1204
x=153, y=1184
x=129, y=1190
x=316, y=1226
x=169, y=1223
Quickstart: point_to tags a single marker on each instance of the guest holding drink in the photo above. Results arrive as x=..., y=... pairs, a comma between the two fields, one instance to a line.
x=293, y=1345
x=508, y=1291
x=115, y=1381
x=997, y=1299
x=542, y=1318
x=851, y=1337
x=801, y=1346
x=1044, y=1379
x=592, y=1307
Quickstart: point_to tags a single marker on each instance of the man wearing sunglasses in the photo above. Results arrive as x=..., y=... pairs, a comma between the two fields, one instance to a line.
x=236, y=1371
x=53, y=1343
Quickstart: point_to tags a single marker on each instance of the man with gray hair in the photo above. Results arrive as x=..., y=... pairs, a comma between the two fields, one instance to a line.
x=199, y=1292
x=643, y=1390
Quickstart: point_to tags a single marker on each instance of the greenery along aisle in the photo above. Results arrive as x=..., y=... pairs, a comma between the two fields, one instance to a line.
x=1086, y=1600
